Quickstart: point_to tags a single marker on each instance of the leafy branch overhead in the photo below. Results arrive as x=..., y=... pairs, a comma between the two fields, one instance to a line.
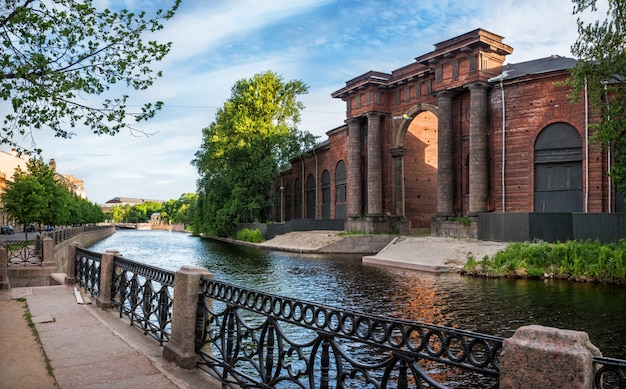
x=601, y=71
x=59, y=57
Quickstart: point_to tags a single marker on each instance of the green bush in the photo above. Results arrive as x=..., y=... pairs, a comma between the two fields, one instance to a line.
x=577, y=259
x=248, y=235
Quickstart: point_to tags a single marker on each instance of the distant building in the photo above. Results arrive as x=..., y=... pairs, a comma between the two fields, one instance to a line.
x=10, y=162
x=120, y=201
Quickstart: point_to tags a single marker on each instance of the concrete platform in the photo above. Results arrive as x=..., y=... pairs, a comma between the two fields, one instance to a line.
x=91, y=348
x=433, y=254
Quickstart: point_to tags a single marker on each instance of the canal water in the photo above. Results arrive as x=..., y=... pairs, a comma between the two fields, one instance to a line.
x=489, y=306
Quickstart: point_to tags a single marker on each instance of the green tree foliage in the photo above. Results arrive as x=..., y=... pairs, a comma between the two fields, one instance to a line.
x=601, y=69
x=35, y=196
x=58, y=55
x=253, y=134
x=172, y=211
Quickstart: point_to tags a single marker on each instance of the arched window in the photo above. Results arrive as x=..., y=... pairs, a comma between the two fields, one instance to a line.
x=287, y=202
x=325, y=195
x=340, y=190
x=310, y=197
x=297, y=199
x=558, y=169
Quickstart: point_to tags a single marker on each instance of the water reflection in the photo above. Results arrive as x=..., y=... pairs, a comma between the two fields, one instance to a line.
x=490, y=306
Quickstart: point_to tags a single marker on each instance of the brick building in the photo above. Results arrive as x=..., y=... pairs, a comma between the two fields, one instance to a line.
x=455, y=133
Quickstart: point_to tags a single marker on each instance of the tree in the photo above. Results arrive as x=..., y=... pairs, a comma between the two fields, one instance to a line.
x=253, y=134
x=601, y=71
x=37, y=196
x=24, y=198
x=58, y=55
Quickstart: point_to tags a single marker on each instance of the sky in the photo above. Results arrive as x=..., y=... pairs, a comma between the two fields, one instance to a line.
x=323, y=43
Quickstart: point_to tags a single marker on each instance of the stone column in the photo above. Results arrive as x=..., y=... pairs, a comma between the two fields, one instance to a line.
x=5, y=284
x=478, y=170
x=181, y=349
x=106, y=279
x=398, y=180
x=47, y=245
x=544, y=357
x=374, y=166
x=354, y=169
x=70, y=272
x=445, y=159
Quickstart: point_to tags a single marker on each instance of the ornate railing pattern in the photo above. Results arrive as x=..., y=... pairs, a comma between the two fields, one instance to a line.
x=24, y=252
x=62, y=234
x=248, y=338
x=87, y=267
x=611, y=373
x=145, y=295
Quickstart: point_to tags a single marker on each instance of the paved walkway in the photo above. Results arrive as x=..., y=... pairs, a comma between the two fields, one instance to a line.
x=88, y=347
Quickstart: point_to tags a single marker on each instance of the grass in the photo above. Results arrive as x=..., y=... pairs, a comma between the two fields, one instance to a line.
x=33, y=330
x=573, y=260
x=248, y=235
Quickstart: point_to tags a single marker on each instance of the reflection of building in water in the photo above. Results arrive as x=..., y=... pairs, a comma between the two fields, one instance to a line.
x=457, y=132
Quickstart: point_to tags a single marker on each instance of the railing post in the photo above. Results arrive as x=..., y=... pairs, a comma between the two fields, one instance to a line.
x=181, y=347
x=545, y=357
x=106, y=279
x=47, y=246
x=5, y=284
x=70, y=273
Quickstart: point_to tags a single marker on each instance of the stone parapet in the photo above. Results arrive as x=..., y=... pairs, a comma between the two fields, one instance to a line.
x=545, y=357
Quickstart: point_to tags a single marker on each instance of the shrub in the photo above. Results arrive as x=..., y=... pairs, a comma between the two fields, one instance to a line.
x=248, y=235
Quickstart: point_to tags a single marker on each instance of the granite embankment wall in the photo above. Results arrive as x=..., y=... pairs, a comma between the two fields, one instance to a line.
x=86, y=239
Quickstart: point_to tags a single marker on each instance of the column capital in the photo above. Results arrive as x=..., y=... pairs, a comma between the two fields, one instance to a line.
x=354, y=120
x=397, y=151
x=478, y=85
x=374, y=114
x=445, y=94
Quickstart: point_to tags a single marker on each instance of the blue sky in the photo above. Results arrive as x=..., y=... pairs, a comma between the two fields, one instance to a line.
x=323, y=43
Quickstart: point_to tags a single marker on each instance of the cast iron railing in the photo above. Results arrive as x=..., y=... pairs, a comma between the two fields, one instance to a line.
x=24, y=252
x=87, y=268
x=611, y=373
x=248, y=338
x=145, y=295
x=62, y=234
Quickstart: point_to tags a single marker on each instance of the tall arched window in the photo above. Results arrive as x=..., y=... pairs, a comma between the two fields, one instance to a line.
x=287, y=202
x=325, y=194
x=310, y=197
x=558, y=169
x=297, y=199
x=340, y=190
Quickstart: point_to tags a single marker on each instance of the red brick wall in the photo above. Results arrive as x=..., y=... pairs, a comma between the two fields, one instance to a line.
x=530, y=107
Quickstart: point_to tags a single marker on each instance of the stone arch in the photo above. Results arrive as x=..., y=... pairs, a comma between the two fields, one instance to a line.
x=411, y=113
x=418, y=138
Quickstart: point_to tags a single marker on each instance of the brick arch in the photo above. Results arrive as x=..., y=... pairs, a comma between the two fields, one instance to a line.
x=412, y=112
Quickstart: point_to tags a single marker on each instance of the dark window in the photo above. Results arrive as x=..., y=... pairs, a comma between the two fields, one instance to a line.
x=439, y=74
x=325, y=195
x=287, y=202
x=558, y=169
x=310, y=197
x=297, y=199
x=455, y=70
x=340, y=190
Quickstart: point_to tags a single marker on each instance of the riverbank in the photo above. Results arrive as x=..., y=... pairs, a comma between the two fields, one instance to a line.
x=419, y=253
